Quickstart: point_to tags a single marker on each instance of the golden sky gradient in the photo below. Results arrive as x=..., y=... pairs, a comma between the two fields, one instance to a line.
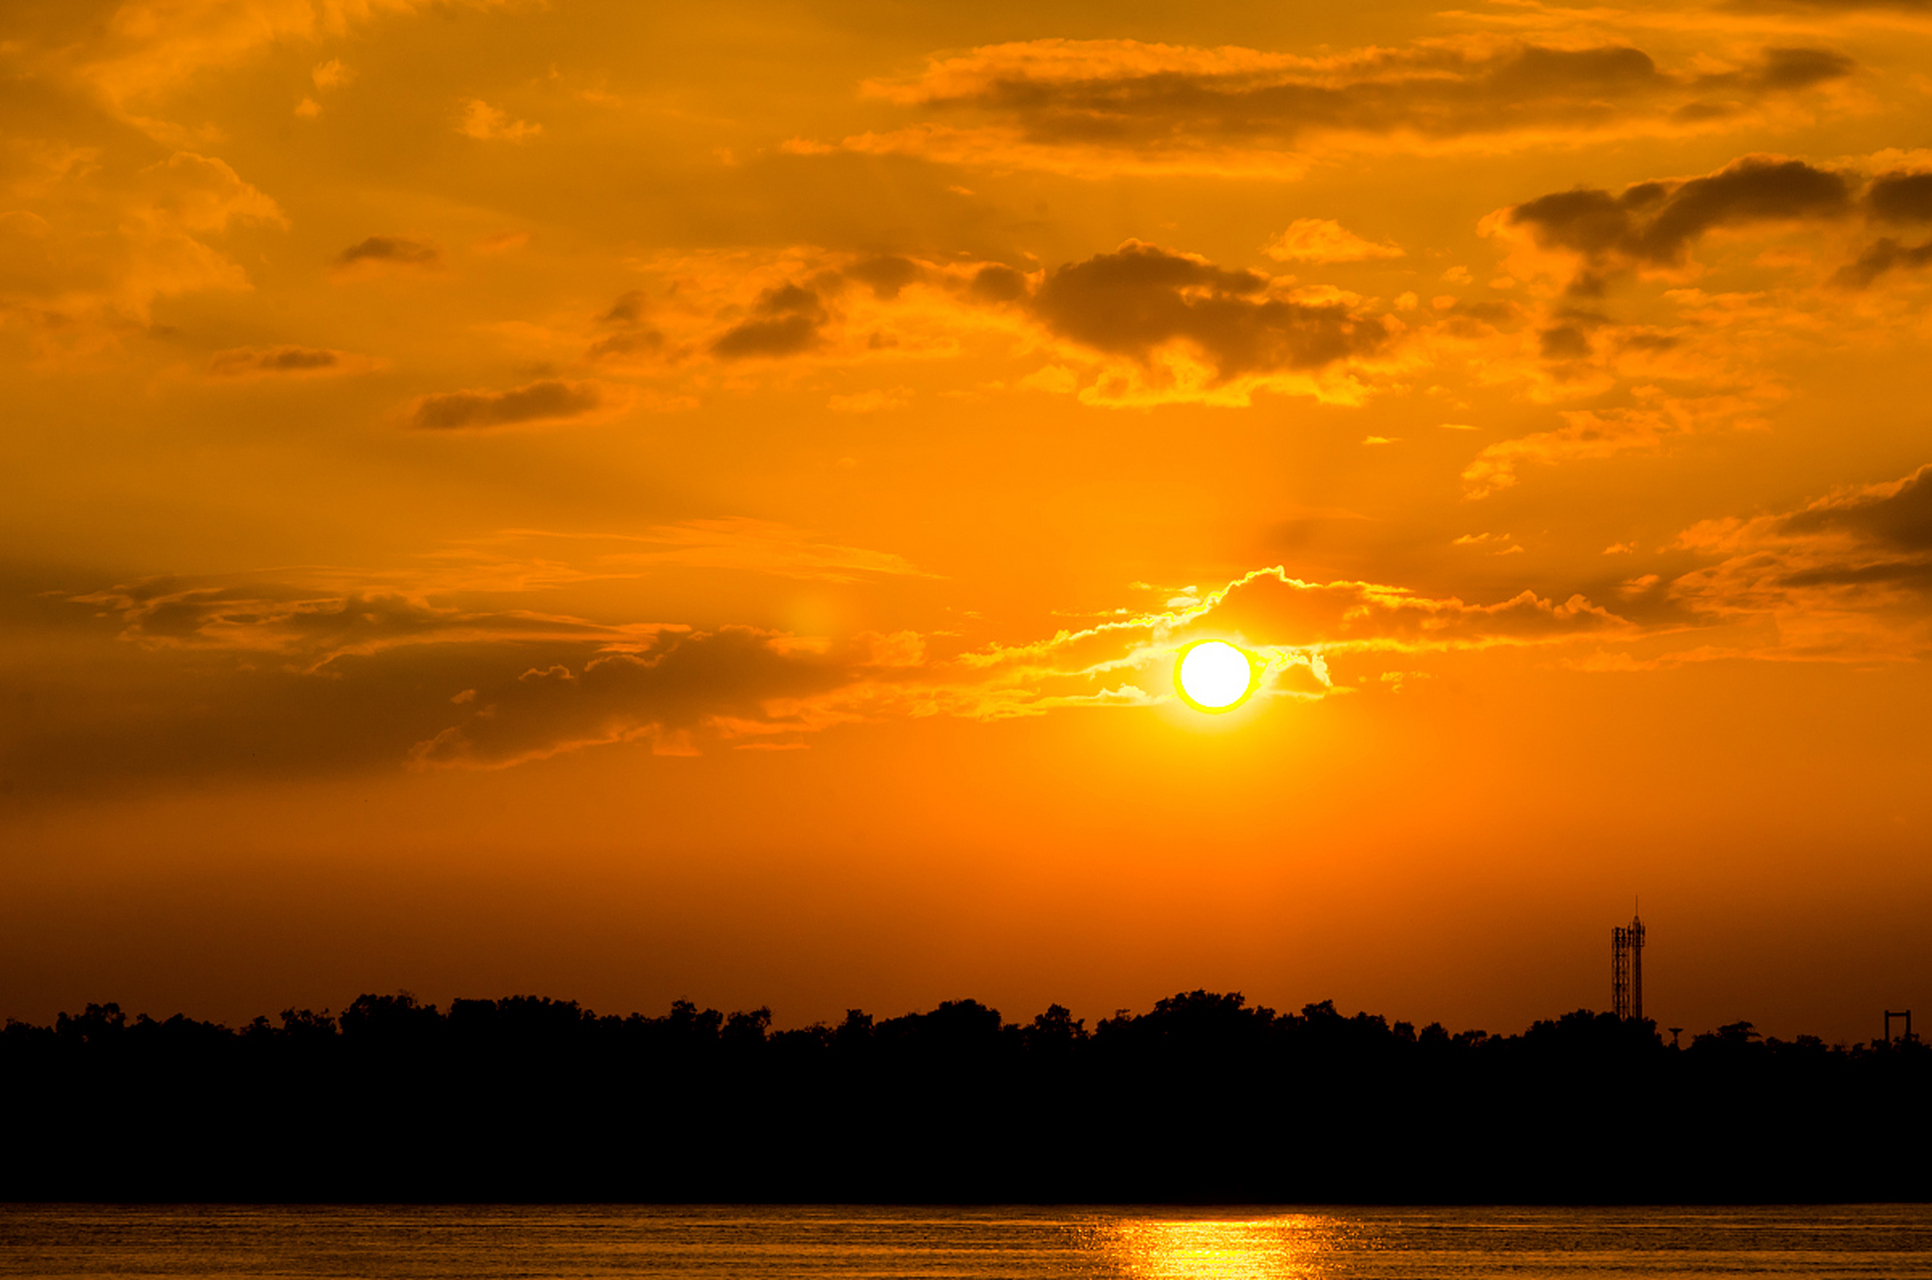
x=634, y=501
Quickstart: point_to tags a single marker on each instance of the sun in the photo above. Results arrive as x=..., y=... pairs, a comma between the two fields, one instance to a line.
x=1213, y=675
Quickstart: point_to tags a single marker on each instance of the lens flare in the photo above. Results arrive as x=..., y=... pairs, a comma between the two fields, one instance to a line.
x=1213, y=675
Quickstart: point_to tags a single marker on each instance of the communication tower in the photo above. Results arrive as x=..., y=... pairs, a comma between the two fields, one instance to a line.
x=1627, y=969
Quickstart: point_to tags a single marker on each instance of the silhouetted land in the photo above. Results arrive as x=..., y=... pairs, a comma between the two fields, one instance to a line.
x=1203, y=1099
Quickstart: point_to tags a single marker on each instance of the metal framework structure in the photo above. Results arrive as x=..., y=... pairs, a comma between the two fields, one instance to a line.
x=1627, y=969
x=1889, y=1015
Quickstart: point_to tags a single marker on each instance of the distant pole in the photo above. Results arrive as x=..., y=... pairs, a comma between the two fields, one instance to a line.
x=1905, y=1014
x=1674, y=1033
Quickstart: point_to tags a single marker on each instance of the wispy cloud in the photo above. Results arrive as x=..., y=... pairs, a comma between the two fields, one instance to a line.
x=1847, y=577
x=285, y=362
x=1094, y=107
x=543, y=403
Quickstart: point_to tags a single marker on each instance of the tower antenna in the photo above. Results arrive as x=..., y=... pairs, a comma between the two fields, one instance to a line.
x=1627, y=968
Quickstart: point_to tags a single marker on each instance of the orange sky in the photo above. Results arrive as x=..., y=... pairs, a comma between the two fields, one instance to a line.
x=629, y=502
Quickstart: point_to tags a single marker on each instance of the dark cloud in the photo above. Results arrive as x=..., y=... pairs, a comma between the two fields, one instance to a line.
x=634, y=340
x=1164, y=99
x=633, y=344
x=1880, y=257
x=1139, y=297
x=1565, y=342
x=1848, y=576
x=1477, y=318
x=784, y=321
x=309, y=627
x=140, y=720
x=996, y=283
x=1444, y=94
x=1786, y=70
x=1830, y=6
x=1914, y=574
x=1901, y=197
x=679, y=683
x=550, y=400
x=243, y=362
x=1656, y=222
x=1641, y=341
x=390, y=250
x=1752, y=190
x=166, y=680
x=886, y=275
x=628, y=309
x=176, y=680
x=163, y=717
x=1898, y=515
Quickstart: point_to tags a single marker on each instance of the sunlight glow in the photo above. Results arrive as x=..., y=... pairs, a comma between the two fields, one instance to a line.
x=1213, y=675
x=1271, y=1248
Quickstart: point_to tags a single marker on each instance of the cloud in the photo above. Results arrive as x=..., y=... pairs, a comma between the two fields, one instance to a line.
x=1271, y=607
x=1604, y=433
x=1901, y=197
x=996, y=282
x=1651, y=226
x=379, y=252
x=332, y=74
x=1847, y=577
x=1833, y=9
x=1323, y=240
x=631, y=347
x=1139, y=298
x=351, y=671
x=886, y=275
x=1879, y=257
x=284, y=361
x=549, y=401
x=1574, y=245
x=130, y=60
x=1138, y=326
x=87, y=244
x=202, y=194
x=737, y=543
x=339, y=668
x=1099, y=106
x=501, y=242
x=1296, y=629
x=145, y=48
x=324, y=615
x=873, y=400
x=482, y=121
x=1896, y=514
x=740, y=679
x=255, y=676
x=312, y=626
x=629, y=309
x=1655, y=223
x=785, y=321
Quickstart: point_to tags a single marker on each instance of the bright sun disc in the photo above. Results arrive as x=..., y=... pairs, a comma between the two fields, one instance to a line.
x=1213, y=675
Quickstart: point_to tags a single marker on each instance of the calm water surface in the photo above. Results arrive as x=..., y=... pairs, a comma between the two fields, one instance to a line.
x=210, y=1241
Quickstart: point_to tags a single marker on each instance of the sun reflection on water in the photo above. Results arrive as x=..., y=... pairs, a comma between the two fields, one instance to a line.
x=1292, y=1245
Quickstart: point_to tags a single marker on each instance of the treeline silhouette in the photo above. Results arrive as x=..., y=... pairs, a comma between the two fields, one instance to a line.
x=1202, y=1099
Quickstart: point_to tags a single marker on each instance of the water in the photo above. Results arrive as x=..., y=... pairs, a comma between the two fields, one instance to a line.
x=670, y=1243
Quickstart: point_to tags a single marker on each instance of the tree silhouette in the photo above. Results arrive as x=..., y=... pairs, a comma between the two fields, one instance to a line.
x=1203, y=1097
